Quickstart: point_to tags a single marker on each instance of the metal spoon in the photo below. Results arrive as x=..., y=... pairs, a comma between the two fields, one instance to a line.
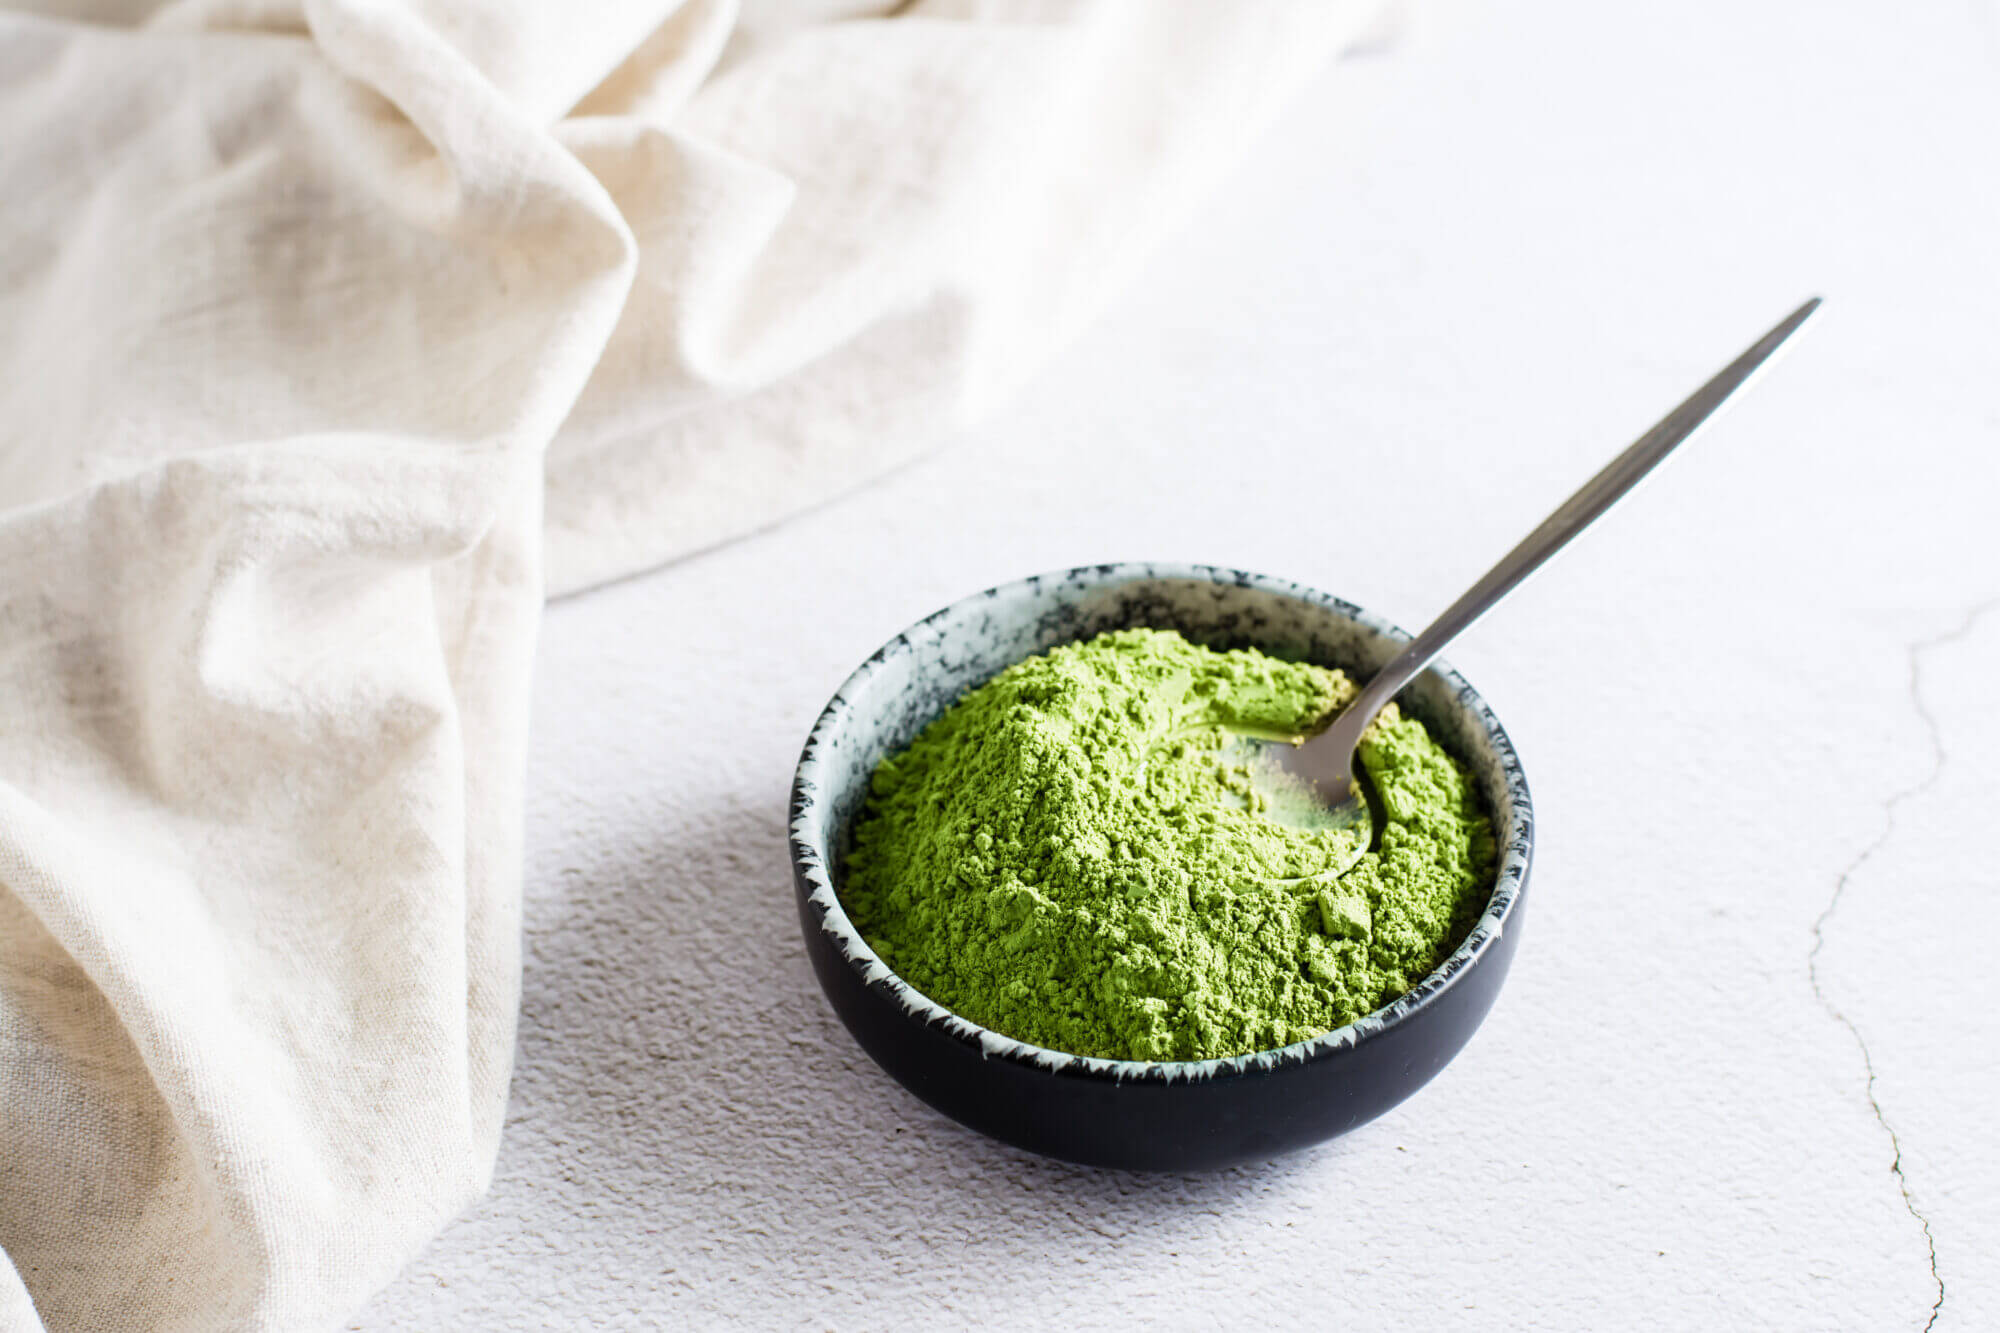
x=1324, y=766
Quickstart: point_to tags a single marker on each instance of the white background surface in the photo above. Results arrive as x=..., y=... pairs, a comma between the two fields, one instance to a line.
x=1756, y=710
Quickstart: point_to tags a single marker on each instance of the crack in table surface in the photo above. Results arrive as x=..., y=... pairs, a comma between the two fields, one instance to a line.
x=1934, y=733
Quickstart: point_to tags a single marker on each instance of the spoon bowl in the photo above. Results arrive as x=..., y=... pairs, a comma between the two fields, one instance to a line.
x=1310, y=786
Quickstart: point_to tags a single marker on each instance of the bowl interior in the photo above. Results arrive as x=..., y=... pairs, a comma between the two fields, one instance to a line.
x=922, y=671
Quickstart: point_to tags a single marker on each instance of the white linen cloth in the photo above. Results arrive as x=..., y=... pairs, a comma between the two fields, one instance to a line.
x=333, y=332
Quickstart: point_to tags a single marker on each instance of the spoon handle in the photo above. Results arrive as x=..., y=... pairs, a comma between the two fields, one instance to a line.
x=1578, y=512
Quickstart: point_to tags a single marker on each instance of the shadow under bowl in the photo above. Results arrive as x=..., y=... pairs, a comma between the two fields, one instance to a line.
x=1170, y=1115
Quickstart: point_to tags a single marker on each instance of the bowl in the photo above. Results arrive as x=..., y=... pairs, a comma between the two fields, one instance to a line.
x=1171, y=1115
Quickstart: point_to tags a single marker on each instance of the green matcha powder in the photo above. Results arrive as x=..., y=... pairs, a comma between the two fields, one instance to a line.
x=1068, y=856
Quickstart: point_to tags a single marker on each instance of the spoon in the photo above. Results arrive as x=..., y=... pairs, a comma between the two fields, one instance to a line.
x=1317, y=777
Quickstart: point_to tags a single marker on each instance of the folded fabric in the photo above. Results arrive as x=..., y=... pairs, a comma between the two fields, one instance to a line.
x=333, y=333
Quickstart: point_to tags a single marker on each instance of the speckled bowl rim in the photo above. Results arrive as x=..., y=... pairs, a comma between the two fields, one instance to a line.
x=811, y=860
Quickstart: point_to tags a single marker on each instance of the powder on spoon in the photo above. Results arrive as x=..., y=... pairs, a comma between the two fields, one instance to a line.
x=1067, y=856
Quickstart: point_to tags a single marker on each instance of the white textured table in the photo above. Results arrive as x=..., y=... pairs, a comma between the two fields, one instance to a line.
x=1756, y=709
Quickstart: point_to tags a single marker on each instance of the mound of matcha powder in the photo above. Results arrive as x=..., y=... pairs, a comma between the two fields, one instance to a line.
x=1068, y=856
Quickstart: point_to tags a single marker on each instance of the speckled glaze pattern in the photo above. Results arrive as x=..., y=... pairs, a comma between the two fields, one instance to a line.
x=916, y=675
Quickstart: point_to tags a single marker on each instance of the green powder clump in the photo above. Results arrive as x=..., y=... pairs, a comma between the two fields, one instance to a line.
x=1068, y=856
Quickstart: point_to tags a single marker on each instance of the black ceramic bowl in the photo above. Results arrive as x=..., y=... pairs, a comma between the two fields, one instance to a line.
x=1182, y=1115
